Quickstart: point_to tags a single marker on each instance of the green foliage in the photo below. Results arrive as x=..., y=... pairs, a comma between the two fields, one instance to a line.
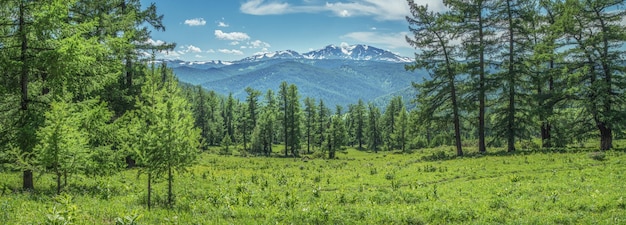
x=63, y=147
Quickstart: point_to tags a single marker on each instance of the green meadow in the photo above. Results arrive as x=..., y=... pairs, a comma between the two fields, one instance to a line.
x=431, y=186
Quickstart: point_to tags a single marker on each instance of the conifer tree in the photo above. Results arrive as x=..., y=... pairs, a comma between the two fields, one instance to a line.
x=374, y=133
x=310, y=111
x=168, y=136
x=434, y=34
x=62, y=147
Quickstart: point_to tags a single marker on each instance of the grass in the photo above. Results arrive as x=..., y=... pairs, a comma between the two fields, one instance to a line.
x=566, y=186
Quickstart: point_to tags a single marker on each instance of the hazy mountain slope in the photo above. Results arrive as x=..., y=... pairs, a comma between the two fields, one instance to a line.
x=338, y=75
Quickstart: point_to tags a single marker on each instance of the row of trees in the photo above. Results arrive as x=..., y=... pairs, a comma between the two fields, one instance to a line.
x=77, y=98
x=258, y=123
x=552, y=69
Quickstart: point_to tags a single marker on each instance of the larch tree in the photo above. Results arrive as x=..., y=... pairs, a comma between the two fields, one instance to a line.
x=434, y=35
x=598, y=33
x=374, y=130
x=62, y=147
x=47, y=54
x=170, y=140
x=478, y=43
x=251, y=116
x=323, y=114
x=310, y=112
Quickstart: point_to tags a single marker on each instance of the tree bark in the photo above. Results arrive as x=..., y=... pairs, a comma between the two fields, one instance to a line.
x=149, y=190
x=606, y=137
x=481, y=85
x=170, y=180
x=511, y=80
x=27, y=176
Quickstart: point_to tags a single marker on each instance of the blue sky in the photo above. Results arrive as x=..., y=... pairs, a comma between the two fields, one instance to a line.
x=234, y=29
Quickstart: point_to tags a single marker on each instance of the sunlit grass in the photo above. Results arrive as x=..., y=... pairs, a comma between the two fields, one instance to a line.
x=426, y=186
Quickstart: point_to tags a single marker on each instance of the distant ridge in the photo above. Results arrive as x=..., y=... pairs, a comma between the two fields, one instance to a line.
x=340, y=75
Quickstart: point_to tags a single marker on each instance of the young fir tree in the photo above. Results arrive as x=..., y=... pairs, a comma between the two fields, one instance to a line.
x=170, y=140
x=62, y=148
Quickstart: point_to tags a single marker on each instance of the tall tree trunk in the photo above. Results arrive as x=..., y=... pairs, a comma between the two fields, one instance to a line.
x=457, y=122
x=149, y=190
x=546, y=137
x=27, y=176
x=510, y=127
x=58, y=173
x=481, y=85
x=170, y=180
x=546, y=126
x=606, y=137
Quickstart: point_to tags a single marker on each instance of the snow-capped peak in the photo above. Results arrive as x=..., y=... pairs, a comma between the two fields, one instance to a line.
x=355, y=52
x=287, y=54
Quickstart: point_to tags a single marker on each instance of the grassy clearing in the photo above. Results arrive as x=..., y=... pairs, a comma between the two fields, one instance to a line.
x=571, y=186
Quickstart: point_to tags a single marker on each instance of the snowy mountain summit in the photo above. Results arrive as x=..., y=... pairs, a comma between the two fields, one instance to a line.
x=345, y=52
x=355, y=52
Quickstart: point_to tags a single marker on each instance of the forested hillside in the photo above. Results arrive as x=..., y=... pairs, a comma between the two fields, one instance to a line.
x=85, y=108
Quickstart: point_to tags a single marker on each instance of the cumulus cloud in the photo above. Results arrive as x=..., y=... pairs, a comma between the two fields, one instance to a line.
x=389, y=40
x=191, y=48
x=234, y=43
x=231, y=51
x=233, y=36
x=210, y=51
x=379, y=9
x=152, y=42
x=195, y=22
x=259, y=44
x=222, y=24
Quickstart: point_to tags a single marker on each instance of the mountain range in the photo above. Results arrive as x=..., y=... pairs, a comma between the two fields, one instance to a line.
x=340, y=75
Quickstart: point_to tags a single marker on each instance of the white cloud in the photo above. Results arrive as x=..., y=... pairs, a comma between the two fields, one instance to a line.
x=152, y=42
x=222, y=24
x=259, y=44
x=199, y=56
x=379, y=9
x=191, y=48
x=210, y=51
x=229, y=51
x=233, y=36
x=259, y=7
x=389, y=40
x=234, y=43
x=195, y=22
